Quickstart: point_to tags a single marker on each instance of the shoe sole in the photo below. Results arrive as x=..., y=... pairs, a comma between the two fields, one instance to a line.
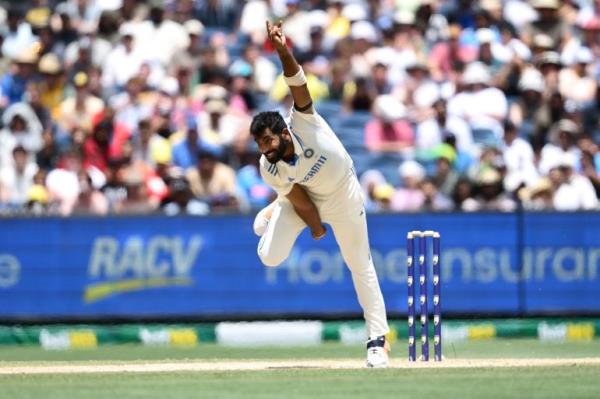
x=381, y=366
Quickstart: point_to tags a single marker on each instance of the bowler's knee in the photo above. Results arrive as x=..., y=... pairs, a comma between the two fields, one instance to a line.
x=260, y=223
x=269, y=258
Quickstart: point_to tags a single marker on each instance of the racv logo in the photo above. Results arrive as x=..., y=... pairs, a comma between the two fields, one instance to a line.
x=135, y=263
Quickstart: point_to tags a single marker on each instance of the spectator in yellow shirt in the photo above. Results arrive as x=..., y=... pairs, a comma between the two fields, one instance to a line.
x=53, y=83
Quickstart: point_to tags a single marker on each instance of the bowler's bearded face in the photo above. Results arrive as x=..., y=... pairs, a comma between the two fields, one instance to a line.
x=272, y=146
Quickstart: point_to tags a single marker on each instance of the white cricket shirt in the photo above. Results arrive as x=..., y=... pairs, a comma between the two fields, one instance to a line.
x=321, y=164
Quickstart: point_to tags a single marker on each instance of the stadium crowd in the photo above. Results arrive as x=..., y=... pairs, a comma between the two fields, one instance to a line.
x=141, y=106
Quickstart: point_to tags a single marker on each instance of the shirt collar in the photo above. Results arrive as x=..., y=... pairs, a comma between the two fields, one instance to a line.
x=293, y=160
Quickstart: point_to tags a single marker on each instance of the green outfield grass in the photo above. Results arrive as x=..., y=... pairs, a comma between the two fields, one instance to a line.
x=531, y=383
x=496, y=348
x=513, y=382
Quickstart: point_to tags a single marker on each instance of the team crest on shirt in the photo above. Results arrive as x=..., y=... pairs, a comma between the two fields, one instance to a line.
x=309, y=152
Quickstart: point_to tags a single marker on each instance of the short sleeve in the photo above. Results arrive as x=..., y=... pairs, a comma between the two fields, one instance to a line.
x=302, y=123
x=269, y=174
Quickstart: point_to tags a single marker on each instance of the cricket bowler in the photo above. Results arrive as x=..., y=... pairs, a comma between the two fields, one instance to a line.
x=313, y=175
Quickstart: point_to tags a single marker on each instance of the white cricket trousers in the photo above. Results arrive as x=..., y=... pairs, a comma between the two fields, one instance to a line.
x=350, y=230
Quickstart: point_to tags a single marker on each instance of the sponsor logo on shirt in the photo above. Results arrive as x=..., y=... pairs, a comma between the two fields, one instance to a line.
x=314, y=169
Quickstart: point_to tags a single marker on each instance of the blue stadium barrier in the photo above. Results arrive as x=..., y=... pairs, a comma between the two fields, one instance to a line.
x=133, y=267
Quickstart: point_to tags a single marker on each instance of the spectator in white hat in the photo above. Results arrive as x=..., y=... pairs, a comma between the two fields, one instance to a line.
x=510, y=45
x=90, y=48
x=562, y=140
x=518, y=13
x=529, y=106
x=409, y=197
x=264, y=71
x=407, y=45
x=478, y=101
x=190, y=57
x=364, y=36
x=369, y=180
x=575, y=191
x=548, y=22
x=405, y=23
x=123, y=62
x=588, y=27
x=83, y=14
x=219, y=126
x=488, y=40
x=417, y=77
x=159, y=38
x=431, y=131
x=549, y=64
x=431, y=22
x=63, y=183
x=354, y=11
x=576, y=84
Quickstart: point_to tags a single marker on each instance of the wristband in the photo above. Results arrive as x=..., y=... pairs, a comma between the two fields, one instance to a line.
x=304, y=108
x=299, y=79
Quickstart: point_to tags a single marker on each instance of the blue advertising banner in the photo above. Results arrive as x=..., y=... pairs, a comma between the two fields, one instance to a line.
x=207, y=267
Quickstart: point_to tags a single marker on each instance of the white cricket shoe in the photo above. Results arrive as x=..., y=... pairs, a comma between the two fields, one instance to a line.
x=377, y=352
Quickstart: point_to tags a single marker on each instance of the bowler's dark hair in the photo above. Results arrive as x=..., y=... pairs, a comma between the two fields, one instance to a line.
x=270, y=119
